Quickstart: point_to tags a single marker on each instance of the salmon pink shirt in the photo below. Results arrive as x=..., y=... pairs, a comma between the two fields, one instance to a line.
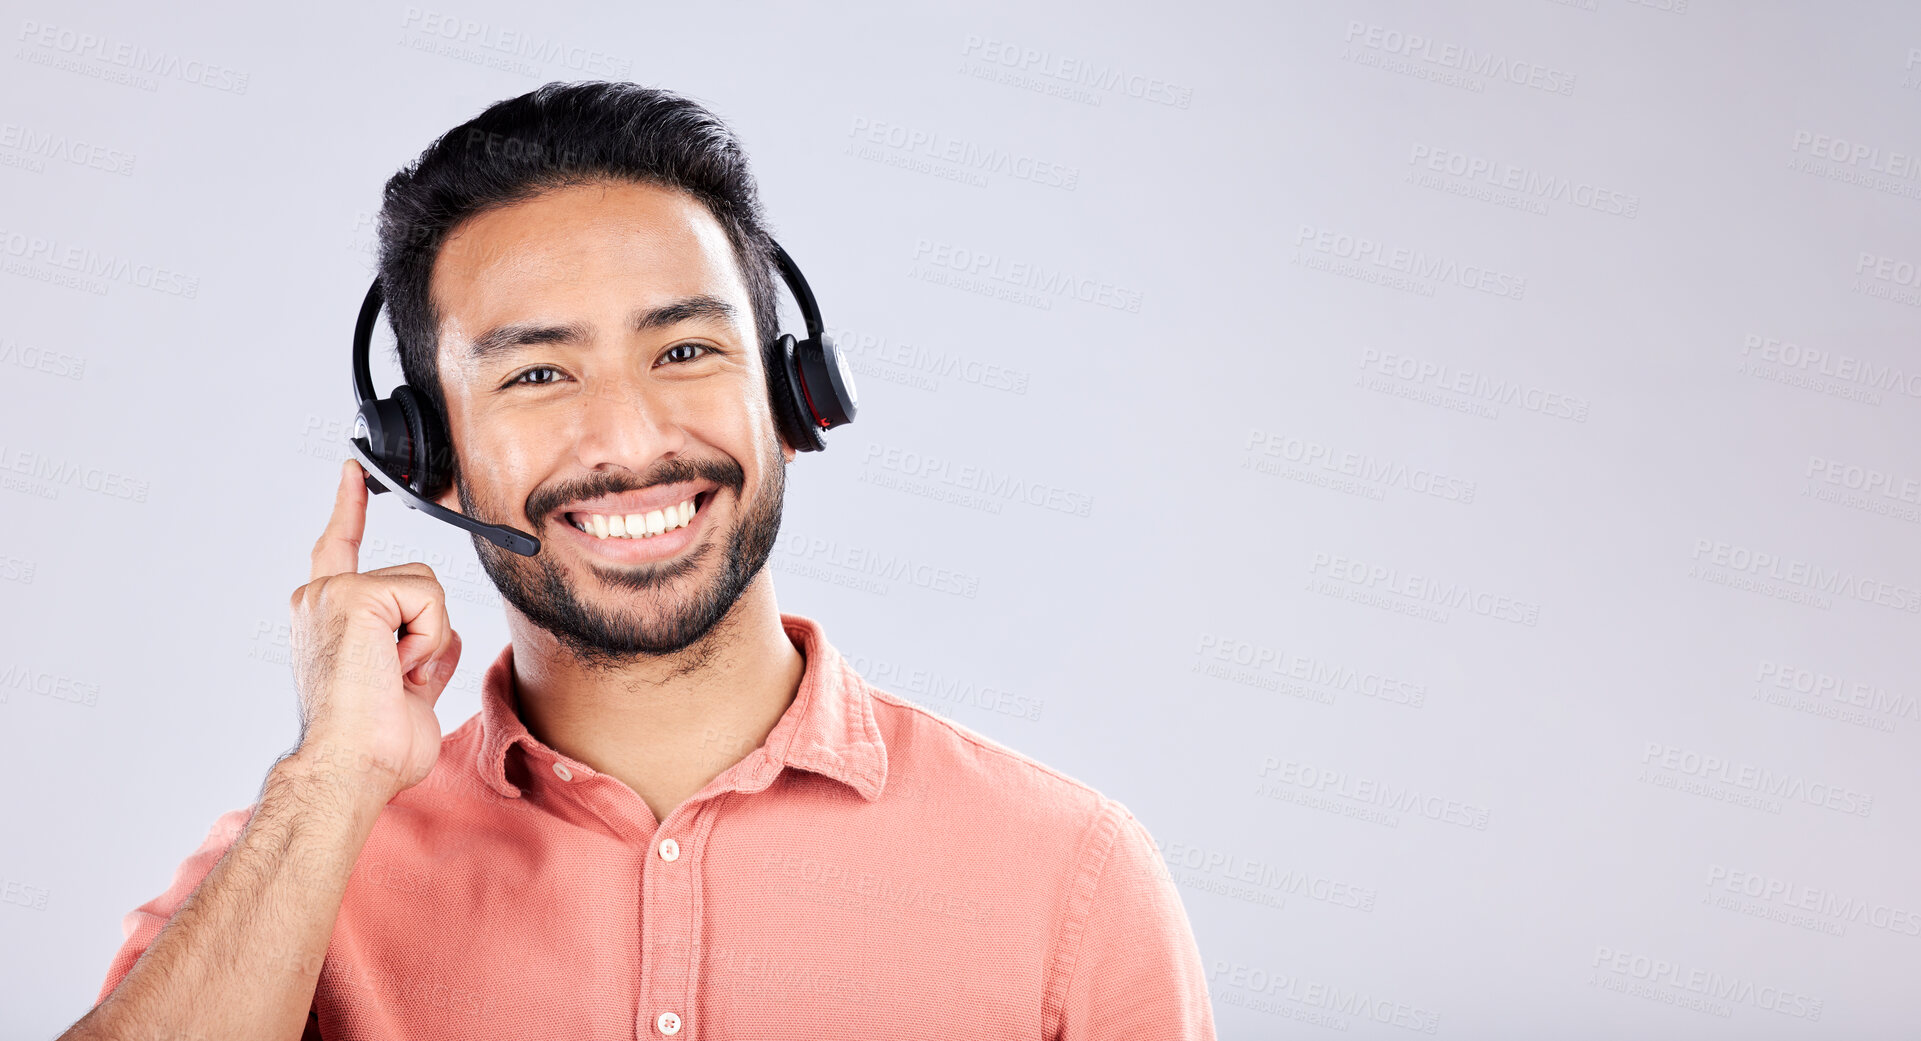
x=870, y=870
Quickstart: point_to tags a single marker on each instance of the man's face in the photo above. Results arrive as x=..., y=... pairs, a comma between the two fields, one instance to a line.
x=598, y=355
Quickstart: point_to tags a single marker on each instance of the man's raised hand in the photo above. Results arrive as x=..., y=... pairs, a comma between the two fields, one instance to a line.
x=367, y=699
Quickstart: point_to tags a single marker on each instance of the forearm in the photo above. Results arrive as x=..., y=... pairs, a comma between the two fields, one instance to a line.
x=242, y=956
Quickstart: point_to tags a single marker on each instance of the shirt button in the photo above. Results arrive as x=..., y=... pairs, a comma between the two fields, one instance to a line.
x=668, y=1023
x=561, y=769
x=669, y=850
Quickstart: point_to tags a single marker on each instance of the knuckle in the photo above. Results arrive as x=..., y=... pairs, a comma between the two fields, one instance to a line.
x=334, y=592
x=430, y=582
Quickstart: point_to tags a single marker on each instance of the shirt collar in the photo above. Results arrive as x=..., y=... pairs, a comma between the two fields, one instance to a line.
x=829, y=728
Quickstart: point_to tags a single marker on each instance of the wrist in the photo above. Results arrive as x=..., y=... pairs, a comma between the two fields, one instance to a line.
x=323, y=768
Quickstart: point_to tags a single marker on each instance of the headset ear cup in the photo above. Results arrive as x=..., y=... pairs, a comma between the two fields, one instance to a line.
x=368, y=424
x=426, y=466
x=842, y=400
x=826, y=387
x=389, y=439
x=790, y=402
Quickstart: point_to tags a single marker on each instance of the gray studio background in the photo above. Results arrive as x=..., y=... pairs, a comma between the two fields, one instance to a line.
x=1448, y=468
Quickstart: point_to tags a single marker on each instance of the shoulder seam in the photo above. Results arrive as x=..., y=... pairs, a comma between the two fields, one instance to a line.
x=1079, y=906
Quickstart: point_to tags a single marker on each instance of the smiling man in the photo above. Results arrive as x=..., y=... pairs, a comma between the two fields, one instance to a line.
x=680, y=811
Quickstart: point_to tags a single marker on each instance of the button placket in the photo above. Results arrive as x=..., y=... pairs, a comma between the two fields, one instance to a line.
x=670, y=927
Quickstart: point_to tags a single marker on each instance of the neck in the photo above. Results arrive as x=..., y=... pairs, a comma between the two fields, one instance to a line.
x=664, y=726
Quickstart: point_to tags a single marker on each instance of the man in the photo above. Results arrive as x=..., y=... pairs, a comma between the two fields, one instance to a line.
x=679, y=812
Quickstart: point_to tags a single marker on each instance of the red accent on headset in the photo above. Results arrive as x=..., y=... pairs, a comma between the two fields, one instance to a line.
x=809, y=398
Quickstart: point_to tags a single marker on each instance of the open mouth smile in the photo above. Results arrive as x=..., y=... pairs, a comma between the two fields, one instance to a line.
x=611, y=529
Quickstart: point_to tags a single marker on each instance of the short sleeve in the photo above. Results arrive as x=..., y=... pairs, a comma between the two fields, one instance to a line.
x=143, y=923
x=1137, y=972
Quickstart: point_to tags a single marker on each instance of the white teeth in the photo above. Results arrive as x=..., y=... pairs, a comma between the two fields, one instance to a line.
x=635, y=525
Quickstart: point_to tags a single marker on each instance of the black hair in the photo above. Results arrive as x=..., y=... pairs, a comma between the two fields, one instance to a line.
x=555, y=136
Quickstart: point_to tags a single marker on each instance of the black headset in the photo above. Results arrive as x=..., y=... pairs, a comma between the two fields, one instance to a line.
x=403, y=445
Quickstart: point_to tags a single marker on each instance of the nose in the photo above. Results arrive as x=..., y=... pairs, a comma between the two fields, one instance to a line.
x=622, y=423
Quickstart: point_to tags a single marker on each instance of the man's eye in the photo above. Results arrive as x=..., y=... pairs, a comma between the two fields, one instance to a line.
x=697, y=346
x=522, y=378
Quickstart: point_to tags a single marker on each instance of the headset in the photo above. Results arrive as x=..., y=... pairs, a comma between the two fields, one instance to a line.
x=404, y=446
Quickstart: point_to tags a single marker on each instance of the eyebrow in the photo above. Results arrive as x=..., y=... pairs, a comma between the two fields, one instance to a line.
x=507, y=339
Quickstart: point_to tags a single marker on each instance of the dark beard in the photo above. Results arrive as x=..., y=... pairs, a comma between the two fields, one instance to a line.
x=605, y=640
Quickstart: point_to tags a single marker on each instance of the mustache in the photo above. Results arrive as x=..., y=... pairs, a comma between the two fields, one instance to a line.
x=724, y=472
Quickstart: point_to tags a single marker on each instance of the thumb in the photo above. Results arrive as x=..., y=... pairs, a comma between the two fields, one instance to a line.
x=441, y=669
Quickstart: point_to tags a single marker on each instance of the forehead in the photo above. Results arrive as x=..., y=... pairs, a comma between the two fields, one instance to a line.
x=570, y=252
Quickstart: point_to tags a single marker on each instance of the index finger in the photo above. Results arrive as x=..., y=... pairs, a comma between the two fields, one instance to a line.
x=338, y=549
